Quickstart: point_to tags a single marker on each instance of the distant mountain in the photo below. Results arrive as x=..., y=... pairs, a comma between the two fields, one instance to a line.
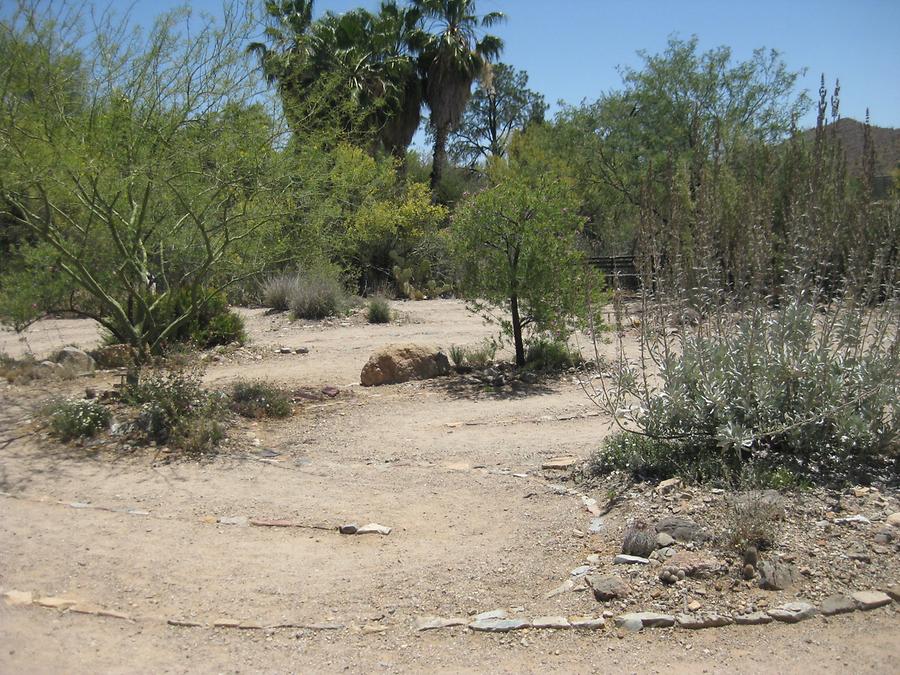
x=851, y=134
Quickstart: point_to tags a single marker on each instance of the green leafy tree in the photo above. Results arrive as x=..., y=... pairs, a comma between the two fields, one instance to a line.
x=518, y=248
x=141, y=189
x=452, y=58
x=502, y=104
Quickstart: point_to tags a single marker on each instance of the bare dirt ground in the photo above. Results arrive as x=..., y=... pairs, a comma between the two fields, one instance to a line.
x=436, y=461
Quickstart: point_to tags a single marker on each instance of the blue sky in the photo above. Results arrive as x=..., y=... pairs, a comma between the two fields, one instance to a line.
x=571, y=48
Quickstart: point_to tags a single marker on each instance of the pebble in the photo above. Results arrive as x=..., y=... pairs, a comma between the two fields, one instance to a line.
x=623, y=559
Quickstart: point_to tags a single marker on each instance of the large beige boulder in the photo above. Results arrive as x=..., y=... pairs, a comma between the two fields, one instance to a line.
x=402, y=363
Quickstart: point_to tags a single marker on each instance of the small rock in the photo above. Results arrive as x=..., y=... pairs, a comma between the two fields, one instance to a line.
x=884, y=537
x=436, y=622
x=623, y=559
x=777, y=576
x=892, y=591
x=753, y=619
x=629, y=624
x=349, y=528
x=558, y=622
x=647, y=619
x=837, y=604
x=183, y=623
x=608, y=587
x=694, y=606
x=866, y=600
x=793, y=612
x=498, y=625
x=331, y=392
x=75, y=358
x=581, y=570
x=664, y=540
x=285, y=350
x=374, y=528
x=698, y=621
x=852, y=520
x=893, y=520
x=596, y=526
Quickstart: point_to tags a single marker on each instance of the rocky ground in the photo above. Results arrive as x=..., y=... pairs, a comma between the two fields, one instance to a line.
x=127, y=561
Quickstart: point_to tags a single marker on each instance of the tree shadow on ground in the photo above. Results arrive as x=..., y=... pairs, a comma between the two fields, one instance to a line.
x=459, y=388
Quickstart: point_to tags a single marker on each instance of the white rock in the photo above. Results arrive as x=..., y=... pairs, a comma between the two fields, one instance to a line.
x=550, y=622
x=623, y=559
x=374, y=528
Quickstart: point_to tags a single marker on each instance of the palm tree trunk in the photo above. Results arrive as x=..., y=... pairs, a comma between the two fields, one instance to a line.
x=440, y=156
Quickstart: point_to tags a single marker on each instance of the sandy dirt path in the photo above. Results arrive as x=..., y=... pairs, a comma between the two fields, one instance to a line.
x=436, y=461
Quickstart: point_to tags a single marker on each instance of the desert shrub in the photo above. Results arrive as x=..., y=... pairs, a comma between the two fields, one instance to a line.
x=751, y=519
x=457, y=356
x=77, y=418
x=165, y=399
x=277, y=290
x=213, y=323
x=18, y=370
x=259, y=399
x=549, y=354
x=197, y=435
x=379, y=310
x=481, y=355
x=318, y=293
x=802, y=390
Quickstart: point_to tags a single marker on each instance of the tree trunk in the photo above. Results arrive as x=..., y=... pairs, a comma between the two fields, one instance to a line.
x=440, y=157
x=517, y=330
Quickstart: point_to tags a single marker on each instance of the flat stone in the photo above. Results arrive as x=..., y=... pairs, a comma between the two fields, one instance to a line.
x=18, y=598
x=629, y=624
x=608, y=587
x=96, y=610
x=581, y=570
x=837, y=604
x=236, y=520
x=698, y=621
x=499, y=625
x=777, y=576
x=493, y=614
x=647, y=619
x=349, y=528
x=893, y=591
x=871, y=599
x=558, y=622
x=53, y=602
x=373, y=629
x=560, y=463
x=693, y=563
x=623, y=559
x=566, y=587
x=437, y=622
x=587, y=622
x=183, y=623
x=374, y=528
x=753, y=619
x=793, y=612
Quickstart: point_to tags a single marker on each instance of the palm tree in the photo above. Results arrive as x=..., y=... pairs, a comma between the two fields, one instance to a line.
x=451, y=59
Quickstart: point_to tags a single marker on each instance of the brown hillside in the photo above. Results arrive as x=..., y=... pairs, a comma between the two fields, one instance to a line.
x=886, y=140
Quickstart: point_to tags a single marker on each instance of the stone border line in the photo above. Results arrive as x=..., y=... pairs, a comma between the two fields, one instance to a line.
x=501, y=620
